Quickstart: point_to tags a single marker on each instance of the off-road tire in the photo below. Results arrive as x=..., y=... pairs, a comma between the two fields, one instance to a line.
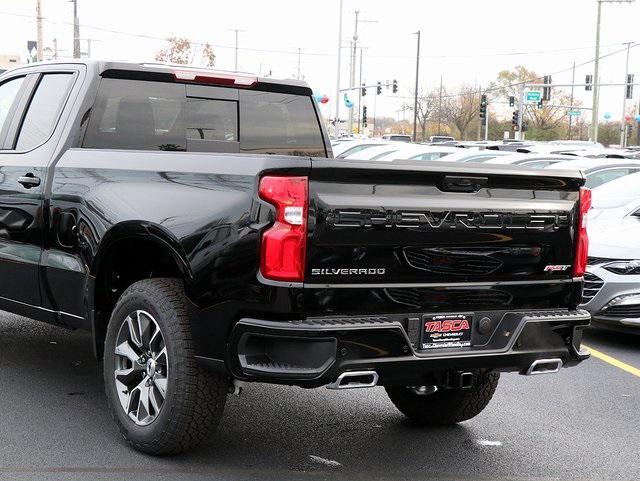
x=194, y=399
x=445, y=406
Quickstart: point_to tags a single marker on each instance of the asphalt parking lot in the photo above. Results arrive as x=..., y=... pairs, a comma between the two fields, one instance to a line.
x=580, y=424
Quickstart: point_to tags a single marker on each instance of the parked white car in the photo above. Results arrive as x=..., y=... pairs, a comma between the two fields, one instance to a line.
x=419, y=152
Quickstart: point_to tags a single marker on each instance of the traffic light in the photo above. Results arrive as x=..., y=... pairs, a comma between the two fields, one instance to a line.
x=629, y=94
x=364, y=116
x=364, y=90
x=540, y=104
x=515, y=117
x=394, y=88
x=512, y=101
x=379, y=89
x=588, y=80
x=546, y=91
x=483, y=106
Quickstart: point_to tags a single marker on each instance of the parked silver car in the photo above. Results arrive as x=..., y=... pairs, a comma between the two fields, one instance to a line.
x=612, y=282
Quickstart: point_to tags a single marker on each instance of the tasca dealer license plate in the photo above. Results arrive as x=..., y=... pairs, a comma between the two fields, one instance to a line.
x=446, y=330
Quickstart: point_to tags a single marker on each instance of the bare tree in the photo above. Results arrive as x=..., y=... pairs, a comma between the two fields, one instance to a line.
x=180, y=50
x=427, y=109
x=462, y=108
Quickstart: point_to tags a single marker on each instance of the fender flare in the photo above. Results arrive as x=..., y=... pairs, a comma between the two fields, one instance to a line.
x=127, y=230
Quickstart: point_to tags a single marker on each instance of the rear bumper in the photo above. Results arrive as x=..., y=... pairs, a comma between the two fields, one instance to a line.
x=315, y=351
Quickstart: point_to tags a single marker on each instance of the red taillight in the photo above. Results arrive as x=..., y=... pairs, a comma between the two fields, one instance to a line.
x=284, y=244
x=582, y=242
x=215, y=78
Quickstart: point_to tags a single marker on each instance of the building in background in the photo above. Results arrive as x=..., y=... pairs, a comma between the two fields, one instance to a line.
x=8, y=61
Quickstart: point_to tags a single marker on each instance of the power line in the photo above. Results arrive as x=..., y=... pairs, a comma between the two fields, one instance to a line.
x=518, y=84
x=310, y=53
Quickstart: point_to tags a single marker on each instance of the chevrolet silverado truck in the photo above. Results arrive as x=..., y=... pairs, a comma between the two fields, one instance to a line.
x=197, y=225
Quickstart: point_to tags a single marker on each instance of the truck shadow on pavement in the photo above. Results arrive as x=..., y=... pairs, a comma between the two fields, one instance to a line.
x=55, y=419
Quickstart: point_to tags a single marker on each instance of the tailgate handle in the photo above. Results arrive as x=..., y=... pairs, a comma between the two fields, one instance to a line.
x=459, y=183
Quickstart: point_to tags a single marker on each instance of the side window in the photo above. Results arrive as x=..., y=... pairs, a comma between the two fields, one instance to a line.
x=8, y=93
x=277, y=123
x=538, y=164
x=604, y=176
x=137, y=115
x=209, y=119
x=428, y=156
x=44, y=110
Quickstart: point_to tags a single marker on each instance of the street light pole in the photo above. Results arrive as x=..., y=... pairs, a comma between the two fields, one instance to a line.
x=415, y=96
x=76, y=30
x=596, y=65
x=623, y=125
x=360, y=93
x=39, y=31
x=352, y=77
x=596, y=80
x=336, y=132
x=573, y=80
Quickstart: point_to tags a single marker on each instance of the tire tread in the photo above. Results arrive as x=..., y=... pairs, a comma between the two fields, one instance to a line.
x=197, y=408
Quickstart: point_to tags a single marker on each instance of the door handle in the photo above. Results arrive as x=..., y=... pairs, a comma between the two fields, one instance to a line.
x=29, y=180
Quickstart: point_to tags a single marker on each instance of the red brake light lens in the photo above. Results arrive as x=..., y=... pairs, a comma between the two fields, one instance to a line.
x=284, y=244
x=215, y=78
x=582, y=242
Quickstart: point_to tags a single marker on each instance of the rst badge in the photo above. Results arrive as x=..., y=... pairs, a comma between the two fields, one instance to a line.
x=556, y=267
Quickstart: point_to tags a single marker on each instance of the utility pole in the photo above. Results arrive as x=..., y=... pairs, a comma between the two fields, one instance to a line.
x=354, y=58
x=440, y=106
x=415, y=96
x=596, y=80
x=352, y=77
x=235, y=64
x=336, y=132
x=573, y=80
x=596, y=65
x=299, y=52
x=55, y=48
x=623, y=124
x=360, y=92
x=76, y=30
x=39, y=46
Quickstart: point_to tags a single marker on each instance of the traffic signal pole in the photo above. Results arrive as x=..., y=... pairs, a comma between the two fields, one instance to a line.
x=360, y=93
x=596, y=80
x=623, y=124
x=415, y=96
x=336, y=130
x=521, y=107
x=486, y=124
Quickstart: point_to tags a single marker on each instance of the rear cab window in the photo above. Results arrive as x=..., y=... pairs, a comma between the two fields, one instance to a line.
x=151, y=115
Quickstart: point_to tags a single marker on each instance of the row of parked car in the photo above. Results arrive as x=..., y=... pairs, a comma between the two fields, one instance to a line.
x=612, y=282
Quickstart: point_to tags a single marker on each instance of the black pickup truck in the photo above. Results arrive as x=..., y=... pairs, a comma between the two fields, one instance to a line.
x=197, y=225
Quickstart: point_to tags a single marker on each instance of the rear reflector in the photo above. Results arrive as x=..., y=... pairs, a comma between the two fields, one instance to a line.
x=215, y=78
x=284, y=244
x=582, y=242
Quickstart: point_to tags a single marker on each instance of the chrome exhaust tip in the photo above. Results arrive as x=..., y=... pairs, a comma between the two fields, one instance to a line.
x=544, y=366
x=354, y=380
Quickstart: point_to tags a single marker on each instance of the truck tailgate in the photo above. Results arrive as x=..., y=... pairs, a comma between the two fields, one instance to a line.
x=407, y=222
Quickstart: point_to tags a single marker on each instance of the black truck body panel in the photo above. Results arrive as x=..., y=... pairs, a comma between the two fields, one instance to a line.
x=386, y=244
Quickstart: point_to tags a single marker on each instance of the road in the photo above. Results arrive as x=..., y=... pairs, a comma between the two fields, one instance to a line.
x=579, y=424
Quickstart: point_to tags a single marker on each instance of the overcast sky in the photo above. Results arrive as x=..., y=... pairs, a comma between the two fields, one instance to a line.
x=462, y=40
